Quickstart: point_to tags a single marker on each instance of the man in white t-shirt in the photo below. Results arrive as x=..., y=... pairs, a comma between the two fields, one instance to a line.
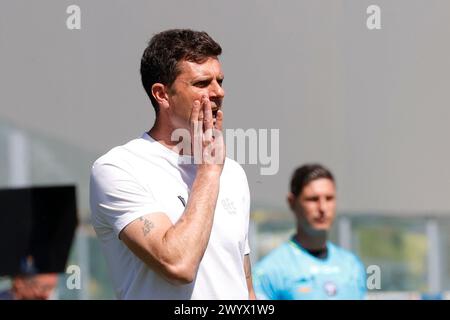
x=172, y=213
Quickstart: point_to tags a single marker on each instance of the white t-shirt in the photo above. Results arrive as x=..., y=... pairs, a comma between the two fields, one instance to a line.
x=143, y=177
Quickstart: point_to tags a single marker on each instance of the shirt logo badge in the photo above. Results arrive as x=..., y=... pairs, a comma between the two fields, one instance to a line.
x=229, y=206
x=330, y=288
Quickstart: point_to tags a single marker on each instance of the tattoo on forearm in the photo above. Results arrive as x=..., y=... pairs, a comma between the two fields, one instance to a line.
x=148, y=225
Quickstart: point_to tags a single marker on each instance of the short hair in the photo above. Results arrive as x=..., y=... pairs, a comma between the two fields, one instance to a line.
x=159, y=63
x=307, y=173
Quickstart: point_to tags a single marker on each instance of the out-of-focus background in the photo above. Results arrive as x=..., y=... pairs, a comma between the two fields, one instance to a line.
x=372, y=105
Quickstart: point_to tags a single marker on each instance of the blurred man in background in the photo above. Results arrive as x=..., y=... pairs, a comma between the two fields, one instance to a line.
x=37, y=228
x=31, y=287
x=308, y=266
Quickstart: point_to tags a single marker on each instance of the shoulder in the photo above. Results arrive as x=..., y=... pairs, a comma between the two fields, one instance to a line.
x=112, y=164
x=232, y=165
x=346, y=255
x=121, y=157
x=233, y=172
x=274, y=260
x=113, y=156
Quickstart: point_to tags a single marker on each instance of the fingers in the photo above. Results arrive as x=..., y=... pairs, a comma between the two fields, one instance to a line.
x=196, y=130
x=207, y=143
x=195, y=112
x=220, y=153
x=208, y=120
x=219, y=120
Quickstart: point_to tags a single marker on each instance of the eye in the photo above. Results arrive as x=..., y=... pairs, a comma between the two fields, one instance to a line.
x=220, y=81
x=202, y=83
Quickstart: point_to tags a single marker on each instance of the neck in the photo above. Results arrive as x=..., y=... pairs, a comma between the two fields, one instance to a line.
x=313, y=242
x=163, y=134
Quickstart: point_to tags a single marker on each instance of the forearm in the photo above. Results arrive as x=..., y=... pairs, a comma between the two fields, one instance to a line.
x=186, y=241
x=248, y=277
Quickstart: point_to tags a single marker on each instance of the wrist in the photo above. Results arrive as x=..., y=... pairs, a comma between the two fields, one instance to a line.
x=209, y=171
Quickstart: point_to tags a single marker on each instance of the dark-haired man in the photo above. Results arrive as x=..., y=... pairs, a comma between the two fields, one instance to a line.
x=308, y=266
x=170, y=211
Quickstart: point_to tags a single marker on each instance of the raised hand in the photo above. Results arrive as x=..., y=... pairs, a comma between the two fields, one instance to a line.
x=207, y=139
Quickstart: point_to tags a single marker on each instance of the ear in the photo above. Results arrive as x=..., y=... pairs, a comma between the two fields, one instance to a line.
x=291, y=201
x=159, y=92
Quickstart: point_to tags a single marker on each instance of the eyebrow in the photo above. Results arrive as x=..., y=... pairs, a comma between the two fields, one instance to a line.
x=208, y=77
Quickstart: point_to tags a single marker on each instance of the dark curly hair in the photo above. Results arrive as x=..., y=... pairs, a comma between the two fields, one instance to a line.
x=159, y=63
x=307, y=173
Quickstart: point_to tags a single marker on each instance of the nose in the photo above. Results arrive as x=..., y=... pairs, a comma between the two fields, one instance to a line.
x=322, y=204
x=216, y=91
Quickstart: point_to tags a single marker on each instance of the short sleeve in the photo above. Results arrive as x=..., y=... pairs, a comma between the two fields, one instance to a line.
x=247, y=246
x=117, y=198
x=246, y=206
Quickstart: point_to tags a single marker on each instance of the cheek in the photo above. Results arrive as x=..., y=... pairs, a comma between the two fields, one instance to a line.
x=332, y=208
x=309, y=211
x=196, y=93
x=186, y=102
x=192, y=96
